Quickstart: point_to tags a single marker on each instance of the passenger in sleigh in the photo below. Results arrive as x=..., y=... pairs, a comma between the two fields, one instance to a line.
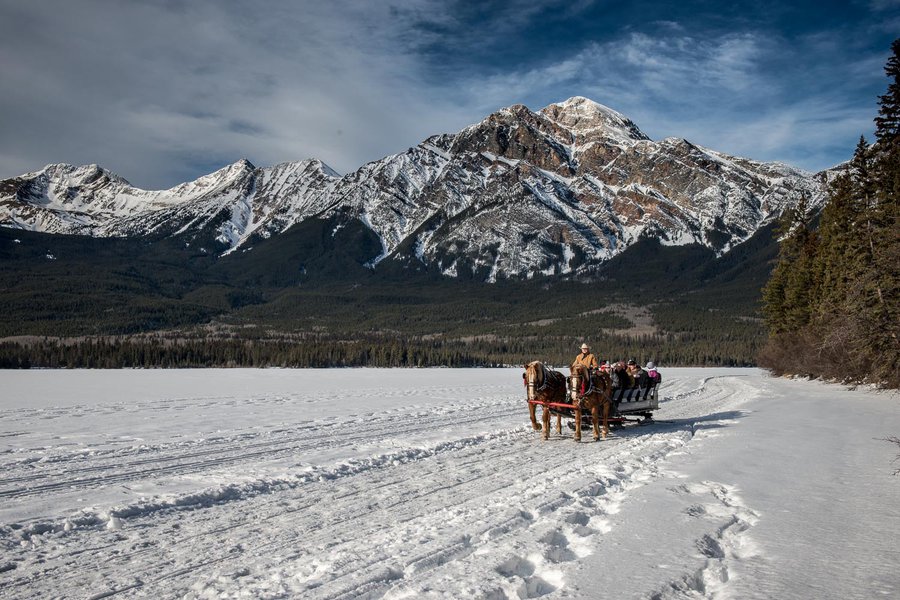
x=639, y=376
x=621, y=379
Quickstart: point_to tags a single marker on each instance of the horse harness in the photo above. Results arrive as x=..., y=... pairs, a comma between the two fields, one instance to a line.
x=544, y=382
x=590, y=385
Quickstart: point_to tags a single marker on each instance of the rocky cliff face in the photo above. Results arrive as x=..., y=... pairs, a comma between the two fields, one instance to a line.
x=519, y=194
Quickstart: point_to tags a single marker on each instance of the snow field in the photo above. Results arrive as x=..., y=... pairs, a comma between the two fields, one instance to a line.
x=398, y=484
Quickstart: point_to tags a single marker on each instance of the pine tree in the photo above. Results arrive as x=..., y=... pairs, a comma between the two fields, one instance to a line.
x=837, y=264
x=787, y=297
x=887, y=123
x=883, y=280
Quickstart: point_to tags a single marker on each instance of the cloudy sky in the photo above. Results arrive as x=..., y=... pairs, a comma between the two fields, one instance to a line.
x=162, y=91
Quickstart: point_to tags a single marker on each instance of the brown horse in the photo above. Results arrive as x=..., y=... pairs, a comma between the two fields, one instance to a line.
x=591, y=391
x=544, y=385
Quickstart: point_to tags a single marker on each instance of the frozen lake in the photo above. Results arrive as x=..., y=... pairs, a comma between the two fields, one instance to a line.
x=431, y=484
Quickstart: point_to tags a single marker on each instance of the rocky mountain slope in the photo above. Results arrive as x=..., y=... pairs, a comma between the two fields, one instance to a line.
x=519, y=194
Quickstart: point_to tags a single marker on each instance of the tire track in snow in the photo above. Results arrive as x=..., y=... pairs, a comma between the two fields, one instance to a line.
x=373, y=573
x=538, y=504
x=542, y=508
x=351, y=512
x=328, y=514
x=412, y=427
x=225, y=456
x=583, y=497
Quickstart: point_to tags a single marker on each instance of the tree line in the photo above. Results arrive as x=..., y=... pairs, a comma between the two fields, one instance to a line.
x=725, y=348
x=832, y=304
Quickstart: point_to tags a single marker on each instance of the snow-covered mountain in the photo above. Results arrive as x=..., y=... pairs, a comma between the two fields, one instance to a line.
x=236, y=201
x=518, y=194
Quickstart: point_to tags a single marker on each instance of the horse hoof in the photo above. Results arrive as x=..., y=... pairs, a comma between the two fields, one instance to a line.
x=597, y=438
x=536, y=427
x=578, y=439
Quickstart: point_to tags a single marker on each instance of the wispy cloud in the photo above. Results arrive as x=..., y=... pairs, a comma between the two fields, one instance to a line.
x=164, y=90
x=157, y=91
x=749, y=93
x=880, y=5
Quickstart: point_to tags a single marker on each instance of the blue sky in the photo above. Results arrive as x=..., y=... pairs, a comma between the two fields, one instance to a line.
x=164, y=91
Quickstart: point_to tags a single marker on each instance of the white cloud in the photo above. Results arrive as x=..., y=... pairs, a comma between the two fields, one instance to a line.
x=145, y=88
x=880, y=5
x=163, y=91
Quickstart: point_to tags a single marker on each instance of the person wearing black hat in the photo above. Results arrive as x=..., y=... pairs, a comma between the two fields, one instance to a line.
x=632, y=368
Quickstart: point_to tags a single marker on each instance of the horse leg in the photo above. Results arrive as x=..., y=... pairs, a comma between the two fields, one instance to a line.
x=577, y=423
x=531, y=413
x=558, y=424
x=545, y=418
x=595, y=421
x=606, y=418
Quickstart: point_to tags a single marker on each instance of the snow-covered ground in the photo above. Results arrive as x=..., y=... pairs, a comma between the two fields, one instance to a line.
x=430, y=484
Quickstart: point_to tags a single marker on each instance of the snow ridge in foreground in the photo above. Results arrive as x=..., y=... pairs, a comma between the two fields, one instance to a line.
x=399, y=484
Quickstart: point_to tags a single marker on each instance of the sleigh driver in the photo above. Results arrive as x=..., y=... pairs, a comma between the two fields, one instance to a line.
x=586, y=358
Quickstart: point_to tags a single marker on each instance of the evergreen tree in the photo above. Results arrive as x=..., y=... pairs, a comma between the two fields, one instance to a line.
x=843, y=319
x=787, y=297
x=882, y=282
x=887, y=123
x=838, y=246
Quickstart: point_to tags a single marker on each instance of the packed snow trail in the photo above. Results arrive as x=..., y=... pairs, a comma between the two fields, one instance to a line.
x=370, y=483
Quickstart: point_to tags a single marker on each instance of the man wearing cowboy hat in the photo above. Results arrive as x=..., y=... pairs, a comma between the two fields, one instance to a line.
x=586, y=358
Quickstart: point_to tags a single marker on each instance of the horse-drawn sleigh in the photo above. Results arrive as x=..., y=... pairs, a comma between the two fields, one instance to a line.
x=585, y=393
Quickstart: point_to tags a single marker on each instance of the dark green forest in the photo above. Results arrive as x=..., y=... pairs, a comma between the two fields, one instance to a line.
x=832, y=305
x=123, y=303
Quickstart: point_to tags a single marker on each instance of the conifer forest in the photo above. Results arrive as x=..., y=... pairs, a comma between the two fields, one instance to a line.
x=832, y=304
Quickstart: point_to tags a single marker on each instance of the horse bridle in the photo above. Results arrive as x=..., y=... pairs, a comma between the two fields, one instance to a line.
x=590, y=386
x=531, y=385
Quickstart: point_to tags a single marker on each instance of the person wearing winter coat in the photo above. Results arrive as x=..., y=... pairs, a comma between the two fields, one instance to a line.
x=653, y=373
x=586, y=358
x=633, y=368
x=641, y=378
x=621, y=378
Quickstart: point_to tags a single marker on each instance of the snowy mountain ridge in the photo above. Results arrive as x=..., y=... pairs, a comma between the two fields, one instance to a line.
x=518, y=194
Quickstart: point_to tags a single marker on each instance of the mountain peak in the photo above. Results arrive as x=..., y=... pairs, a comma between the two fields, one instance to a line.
x=239, y=166
x=585, y=117
x=77, y=175
x=322, y=166
x=226, y=176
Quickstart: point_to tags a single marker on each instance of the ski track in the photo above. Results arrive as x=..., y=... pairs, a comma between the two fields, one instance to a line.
x=493, y=515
